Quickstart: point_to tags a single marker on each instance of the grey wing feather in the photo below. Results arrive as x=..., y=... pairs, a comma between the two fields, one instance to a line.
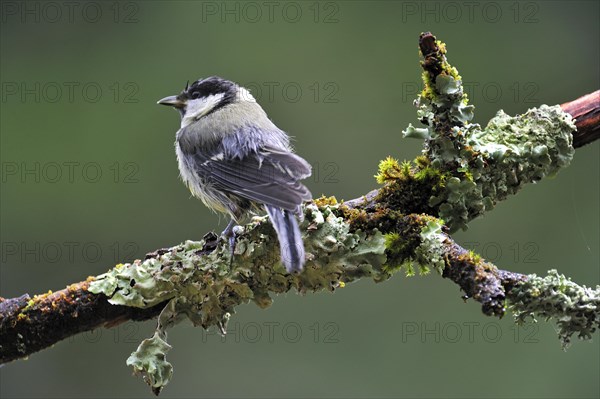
x=269, y=176
x=294, y=165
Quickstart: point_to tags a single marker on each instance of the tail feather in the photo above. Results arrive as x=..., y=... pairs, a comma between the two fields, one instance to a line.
x=290, y=239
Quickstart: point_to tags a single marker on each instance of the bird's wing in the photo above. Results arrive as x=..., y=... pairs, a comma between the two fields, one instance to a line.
x=268, y=176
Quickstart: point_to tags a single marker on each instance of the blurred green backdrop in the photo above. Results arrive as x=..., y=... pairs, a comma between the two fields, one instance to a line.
x=89, y=178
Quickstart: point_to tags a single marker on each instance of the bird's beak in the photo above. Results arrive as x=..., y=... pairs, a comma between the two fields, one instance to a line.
x=172, y=101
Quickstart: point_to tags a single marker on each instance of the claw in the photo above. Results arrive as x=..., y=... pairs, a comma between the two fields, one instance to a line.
x=229, y=233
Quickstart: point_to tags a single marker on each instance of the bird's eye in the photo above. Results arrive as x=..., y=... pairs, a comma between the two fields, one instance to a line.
x=195, y=94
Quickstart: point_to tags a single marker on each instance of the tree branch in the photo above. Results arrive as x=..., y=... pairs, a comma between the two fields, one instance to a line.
x=463, y=172
x=28, y=325
x=586, y=111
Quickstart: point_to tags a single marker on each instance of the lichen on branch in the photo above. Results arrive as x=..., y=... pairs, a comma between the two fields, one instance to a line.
x=481, y=167
x=205, y=287
x=575, y=308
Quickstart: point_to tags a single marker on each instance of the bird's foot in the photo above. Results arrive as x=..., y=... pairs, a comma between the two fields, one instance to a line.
x=229, y=234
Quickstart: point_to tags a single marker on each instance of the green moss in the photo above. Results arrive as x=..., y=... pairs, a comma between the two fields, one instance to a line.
x=476, y=258
x=410, y=187
x=31, y=304
x=324, y=201
x=398, y=251
x=405, y=168
x=417, y=242
x=389, y=170
x=357, y=219
x=433, y=176
x=422, y=162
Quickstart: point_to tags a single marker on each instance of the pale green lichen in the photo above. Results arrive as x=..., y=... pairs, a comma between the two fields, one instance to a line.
x=430, y=253
x=576, y=308
x=149, y=360
x=416, y=132
x=335, y=251
x=499, y=160
x=443, y=103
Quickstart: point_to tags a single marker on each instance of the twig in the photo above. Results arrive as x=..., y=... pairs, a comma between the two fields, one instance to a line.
x=28, y=325
x=586, y=111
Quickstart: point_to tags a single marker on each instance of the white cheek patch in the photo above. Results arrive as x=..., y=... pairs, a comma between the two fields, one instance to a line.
x=197, y=108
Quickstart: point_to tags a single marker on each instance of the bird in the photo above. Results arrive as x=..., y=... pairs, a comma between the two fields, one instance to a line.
x=238, y=162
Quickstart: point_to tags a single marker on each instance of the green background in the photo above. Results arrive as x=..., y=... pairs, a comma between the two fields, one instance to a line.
x=356, y=64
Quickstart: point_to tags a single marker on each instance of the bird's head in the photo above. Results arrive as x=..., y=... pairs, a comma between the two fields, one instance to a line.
x=206, y=96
